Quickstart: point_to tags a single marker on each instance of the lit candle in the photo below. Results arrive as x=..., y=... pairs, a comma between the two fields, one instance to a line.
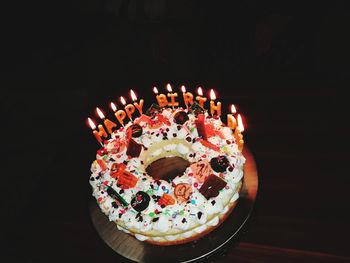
x=138, y=105
x=200, y=97
x=128, y=108
x=97, y=134
x=120, y=114
x=231, y=120
x=172, y=95
x=161, y=98
x=109, y=124
x=238, y=133
x=188, y=97
x=214, y=107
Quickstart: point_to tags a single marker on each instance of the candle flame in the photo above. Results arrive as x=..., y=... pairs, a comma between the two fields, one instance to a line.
x=212, y=95
x=114, y=108
x=92, y=124
x=183, y=88
x=169, y=88
x=240, y=123
x=133, y=95
x=233, y=109
x=122, y=100
x=100, y=113
x=200, y=91
x=155, y=90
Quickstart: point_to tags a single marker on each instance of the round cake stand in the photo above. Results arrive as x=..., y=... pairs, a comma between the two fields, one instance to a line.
x=133, y=249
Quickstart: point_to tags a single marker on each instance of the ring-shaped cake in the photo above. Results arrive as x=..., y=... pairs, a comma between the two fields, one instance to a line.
x=168, y=210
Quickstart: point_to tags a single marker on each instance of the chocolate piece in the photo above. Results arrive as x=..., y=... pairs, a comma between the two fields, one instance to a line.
x=140, y=201
x=212, y=186
x=136, y=130
x=134, y=149
x=181, y=117
x=196, y=109
x=153, y=109
x=219, y=164
x=113, y=193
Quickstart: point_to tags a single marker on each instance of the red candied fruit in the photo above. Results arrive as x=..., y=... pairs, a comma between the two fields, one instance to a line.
x=200, y=126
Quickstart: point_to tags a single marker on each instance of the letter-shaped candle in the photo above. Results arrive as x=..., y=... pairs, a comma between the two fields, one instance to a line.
x=172, y=96
x=231, y=120
x=214, y=107
x=97, y=134
x=161, y=98
x=108, y=123
x=200, y=97
x=188, y=97
x=129, y=109
x=139, y=105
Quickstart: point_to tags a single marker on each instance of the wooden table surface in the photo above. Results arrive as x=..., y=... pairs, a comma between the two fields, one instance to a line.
x=285, y=74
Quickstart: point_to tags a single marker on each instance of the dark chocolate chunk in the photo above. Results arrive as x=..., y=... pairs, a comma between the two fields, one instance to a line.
x=134, y=149
x=199, y=214
x=153, y=109
x=113, y=193
x=155, y=219
x=181, y=117
x=136, y=130
x=140, y=201
x=219, y=164
x=212, y=186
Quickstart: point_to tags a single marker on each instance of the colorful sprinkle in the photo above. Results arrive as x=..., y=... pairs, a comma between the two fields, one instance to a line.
x=151, y=214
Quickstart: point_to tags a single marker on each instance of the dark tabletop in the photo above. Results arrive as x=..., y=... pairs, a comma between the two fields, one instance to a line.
x=285, y=68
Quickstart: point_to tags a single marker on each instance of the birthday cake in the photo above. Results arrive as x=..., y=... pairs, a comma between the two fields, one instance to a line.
x=138, y=187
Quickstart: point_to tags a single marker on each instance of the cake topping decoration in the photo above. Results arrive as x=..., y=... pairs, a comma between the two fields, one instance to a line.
x=126, y=180
x=117, y=169
x=212, y=186
x=201, y=170
x=182, y=192
x=112, y=193
x=180, y=117
x=219, y=164
x=136, y=130
x=166, y=200
x=134, y=149
x=140, y=201
x=201, y=126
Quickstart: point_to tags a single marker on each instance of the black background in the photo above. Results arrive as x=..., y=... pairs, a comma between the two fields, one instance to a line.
x=285, y=66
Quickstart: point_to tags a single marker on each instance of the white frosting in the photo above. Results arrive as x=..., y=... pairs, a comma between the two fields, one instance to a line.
x=141, y=237
x=162, y=225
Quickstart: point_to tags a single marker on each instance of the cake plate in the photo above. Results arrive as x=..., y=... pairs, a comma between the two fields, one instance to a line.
x=133, y=249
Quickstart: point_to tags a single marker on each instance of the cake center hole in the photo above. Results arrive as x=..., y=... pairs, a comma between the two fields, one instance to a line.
x=167, y=168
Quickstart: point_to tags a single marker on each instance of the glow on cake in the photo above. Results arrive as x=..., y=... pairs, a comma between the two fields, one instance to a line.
x=162, y=206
